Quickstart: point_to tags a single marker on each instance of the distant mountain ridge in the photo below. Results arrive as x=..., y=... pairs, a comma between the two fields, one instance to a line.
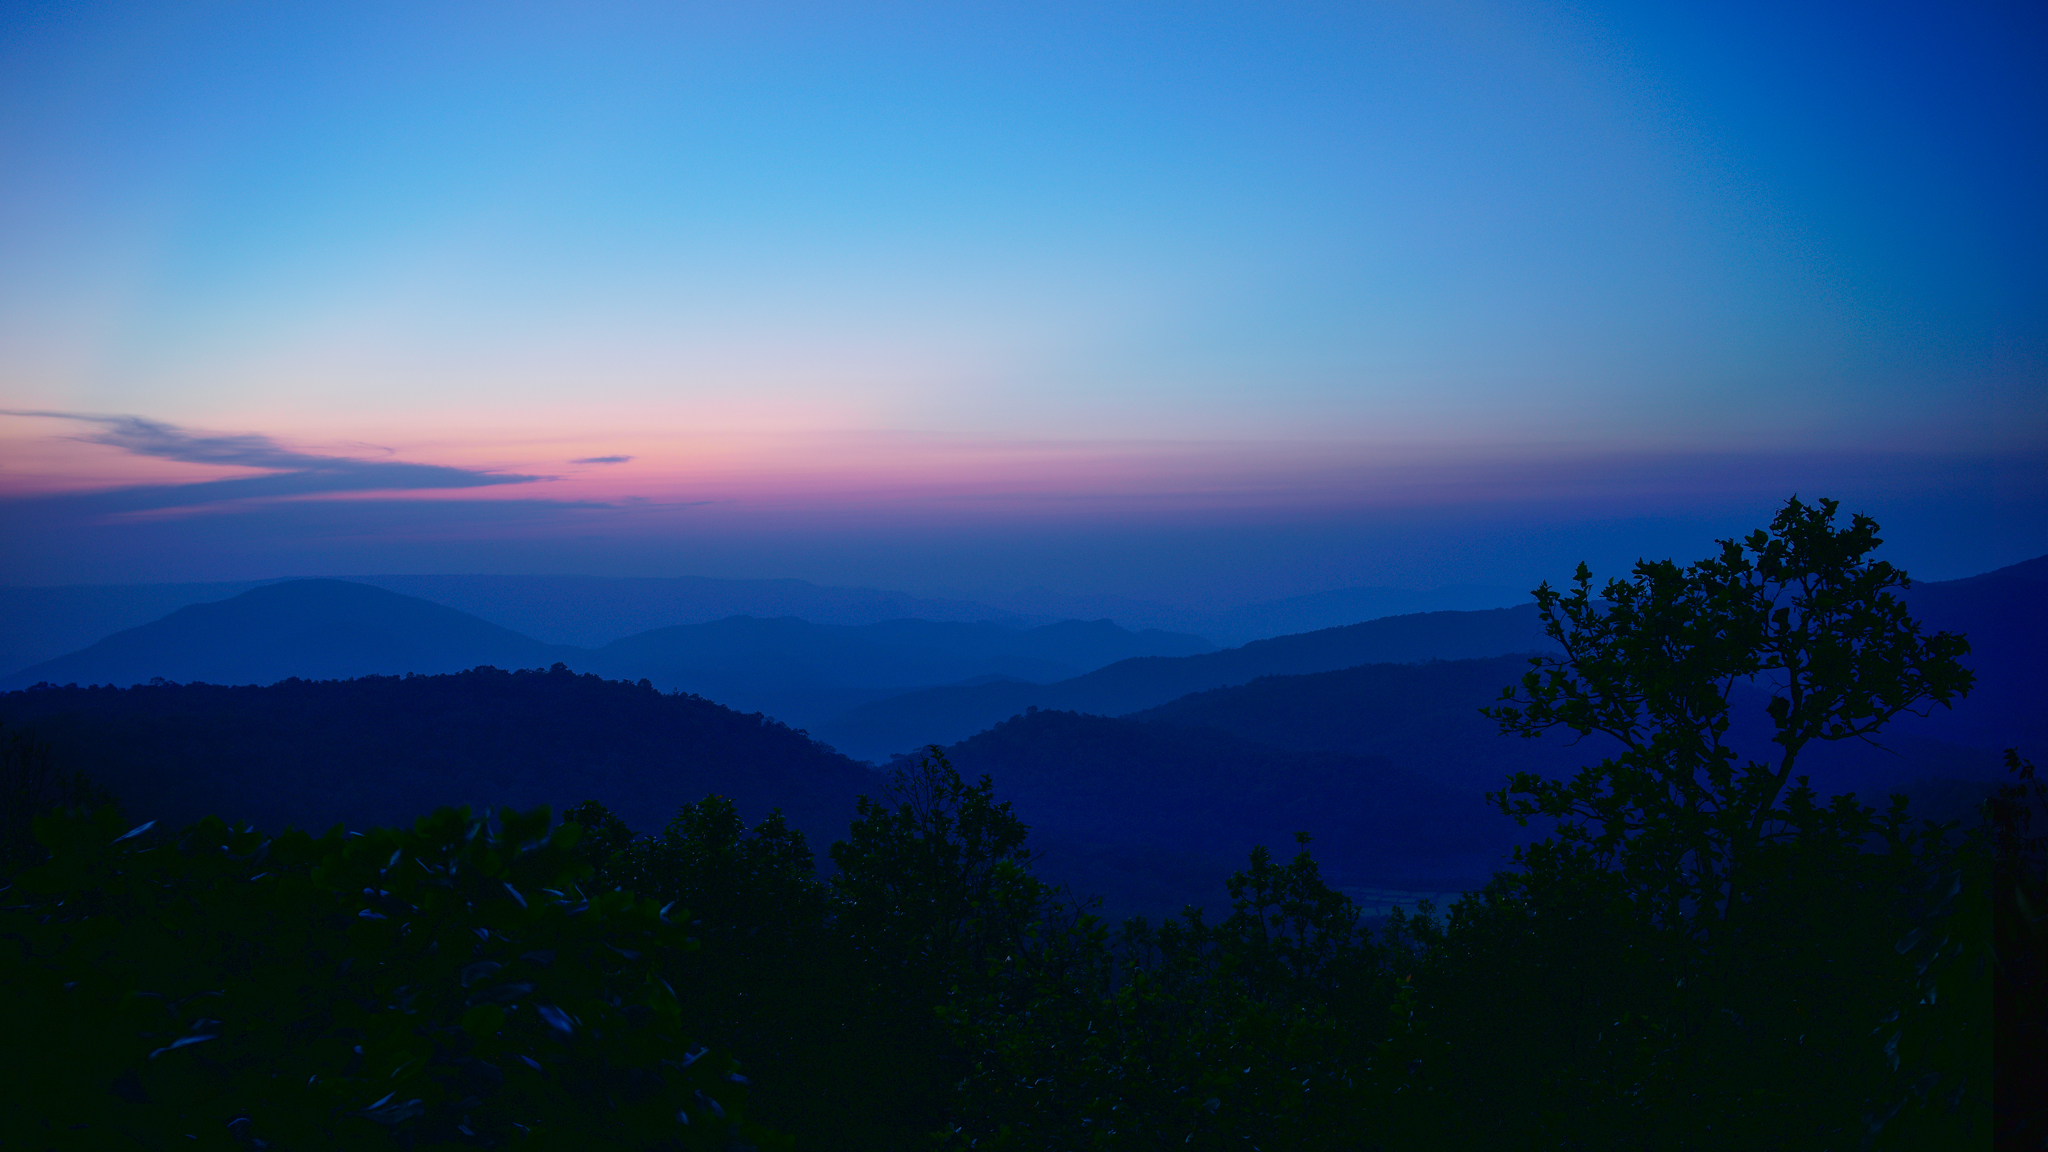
x=793, y=669
x=881, y=688
x=2004, y=612
x=803, y=673
x=39, y=624
x=1424, y=716
x=1337, y=607
x=1360, y=735
x=946, y=715
x=1260, y=620
x=592, y=611
x=42, y=624
x=311, y=629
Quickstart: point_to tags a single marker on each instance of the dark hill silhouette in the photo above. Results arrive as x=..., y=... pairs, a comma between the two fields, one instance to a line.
x=1423, y=717
x=944, y=715
x=312, y=629
x=1095, y=789
x=1340, y=606
x=386, y=749
x=1243, y=623
x=2005, y=615
x=38, y=624
x=2033, y=571
x=801, y=672
x=591, y=611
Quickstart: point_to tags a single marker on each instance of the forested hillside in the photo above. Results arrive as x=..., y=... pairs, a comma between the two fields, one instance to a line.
x=383, y=749
x=1150, y=815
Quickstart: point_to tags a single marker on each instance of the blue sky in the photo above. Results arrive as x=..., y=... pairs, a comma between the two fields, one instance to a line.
x=945, y=296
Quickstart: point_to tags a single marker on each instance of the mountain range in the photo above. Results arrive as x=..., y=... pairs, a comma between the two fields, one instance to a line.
x=1145, y=779
x=795, y=670
x=310, y=629
x=944, y=715
x=806, y=673
x=41, y=624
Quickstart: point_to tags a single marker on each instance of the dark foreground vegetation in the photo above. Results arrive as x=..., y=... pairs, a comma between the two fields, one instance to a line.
x=1702, y=952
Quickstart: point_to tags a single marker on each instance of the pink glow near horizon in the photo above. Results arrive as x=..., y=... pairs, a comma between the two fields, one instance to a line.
x=824, y=478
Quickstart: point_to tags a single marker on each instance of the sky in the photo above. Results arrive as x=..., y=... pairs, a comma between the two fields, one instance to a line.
x=1196, y=302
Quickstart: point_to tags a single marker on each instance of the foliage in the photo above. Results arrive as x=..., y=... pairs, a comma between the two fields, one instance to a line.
x=761, y=982
x=1256, y=1031
x=933, y=892
x=933, y=879
x=1563, y=1017
x=1704, y=953
x=739, y=884
x=445, y=985
x=834, y=990
x=1659, y=662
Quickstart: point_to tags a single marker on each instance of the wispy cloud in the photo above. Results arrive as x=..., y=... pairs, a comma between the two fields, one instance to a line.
x=292, y=473
x=602, y=460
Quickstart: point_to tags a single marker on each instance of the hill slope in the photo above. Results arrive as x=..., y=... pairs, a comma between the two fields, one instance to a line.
x=1423, y=718
x=802, y=672
x=591, y=611
x=2004, y=614
x=313, y=629
x=795, y=670
x=945, y=715
x=1341, y=606
x=38, y=624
